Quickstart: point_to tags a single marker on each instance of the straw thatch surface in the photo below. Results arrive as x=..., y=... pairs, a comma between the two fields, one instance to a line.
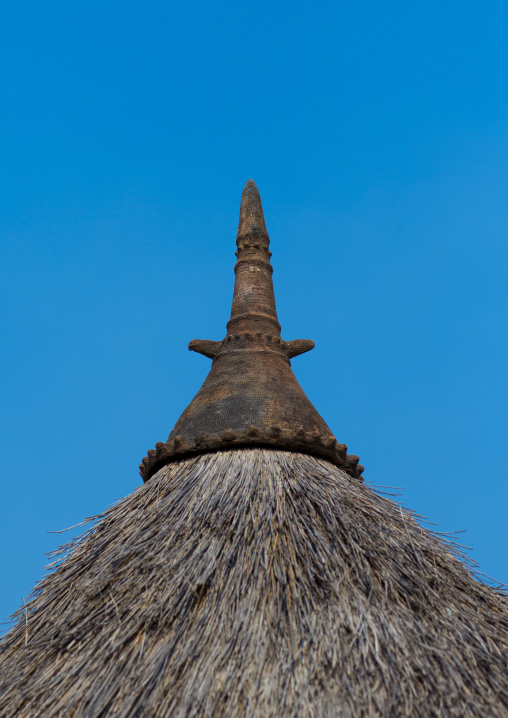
x=258, y=583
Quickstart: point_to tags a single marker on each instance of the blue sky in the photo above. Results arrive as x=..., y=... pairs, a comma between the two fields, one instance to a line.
x=377, y=134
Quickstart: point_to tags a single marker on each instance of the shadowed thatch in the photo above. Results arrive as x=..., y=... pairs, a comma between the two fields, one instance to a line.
x=258, y=582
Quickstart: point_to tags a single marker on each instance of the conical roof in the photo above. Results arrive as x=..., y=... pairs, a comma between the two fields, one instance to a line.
x=251, y=396
x=257, y=581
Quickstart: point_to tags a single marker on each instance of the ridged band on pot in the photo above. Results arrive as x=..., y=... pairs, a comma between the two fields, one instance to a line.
x=251, y=396
x=274, y=437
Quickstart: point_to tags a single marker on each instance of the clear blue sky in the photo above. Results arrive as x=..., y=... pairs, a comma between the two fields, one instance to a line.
x=377, y=134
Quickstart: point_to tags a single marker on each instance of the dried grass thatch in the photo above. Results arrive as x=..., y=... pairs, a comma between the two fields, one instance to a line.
x=258, y=583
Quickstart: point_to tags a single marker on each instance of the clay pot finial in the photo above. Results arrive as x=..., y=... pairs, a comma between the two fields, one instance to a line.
x=251, y=396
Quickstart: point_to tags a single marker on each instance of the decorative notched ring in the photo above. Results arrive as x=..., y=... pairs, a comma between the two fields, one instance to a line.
x=274, y=437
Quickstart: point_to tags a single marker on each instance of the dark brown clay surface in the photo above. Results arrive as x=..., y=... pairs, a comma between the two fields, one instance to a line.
x=251, y=396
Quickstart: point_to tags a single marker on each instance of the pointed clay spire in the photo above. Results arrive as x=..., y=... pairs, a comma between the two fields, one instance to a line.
x=251, y=396
x=253, y=313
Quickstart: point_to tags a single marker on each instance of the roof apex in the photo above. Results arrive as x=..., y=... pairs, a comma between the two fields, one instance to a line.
x=251, y=396
x=252, y=218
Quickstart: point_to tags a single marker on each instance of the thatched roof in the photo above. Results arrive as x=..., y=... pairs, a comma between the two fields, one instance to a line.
x=258, y=582
x=243, y=579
